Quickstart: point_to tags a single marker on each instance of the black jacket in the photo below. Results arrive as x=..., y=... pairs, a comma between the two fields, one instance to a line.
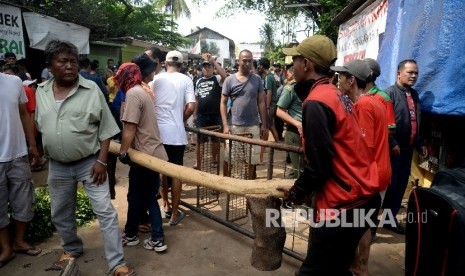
x=402, y=113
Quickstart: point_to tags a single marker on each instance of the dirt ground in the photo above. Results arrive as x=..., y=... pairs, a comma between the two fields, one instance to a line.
x=197, y=246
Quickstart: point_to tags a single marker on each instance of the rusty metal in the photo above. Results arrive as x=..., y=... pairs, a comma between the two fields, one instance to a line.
x=239, y=166
x=207, y=152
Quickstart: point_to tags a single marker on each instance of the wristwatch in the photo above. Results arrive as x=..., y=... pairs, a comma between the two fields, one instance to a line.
x=122, y=154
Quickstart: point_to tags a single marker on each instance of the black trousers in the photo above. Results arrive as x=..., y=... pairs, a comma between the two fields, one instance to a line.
x=332, y=249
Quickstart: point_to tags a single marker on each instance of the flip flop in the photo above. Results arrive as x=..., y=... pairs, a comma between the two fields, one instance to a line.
x=180, y=217
x=7, y=260
x=58, y=264
x=31, y=251
x=167, y=214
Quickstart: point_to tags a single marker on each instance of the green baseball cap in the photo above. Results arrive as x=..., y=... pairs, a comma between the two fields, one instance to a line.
x=318, y=48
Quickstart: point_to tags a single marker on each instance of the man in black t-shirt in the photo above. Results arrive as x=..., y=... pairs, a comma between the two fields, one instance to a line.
x=208, y=95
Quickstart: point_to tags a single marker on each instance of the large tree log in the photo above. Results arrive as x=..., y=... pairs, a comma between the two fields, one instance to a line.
x=251, y=188
x=260, y=194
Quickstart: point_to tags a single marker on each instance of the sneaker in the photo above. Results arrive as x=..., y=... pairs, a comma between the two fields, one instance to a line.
x=158, y=246
x=129, y=241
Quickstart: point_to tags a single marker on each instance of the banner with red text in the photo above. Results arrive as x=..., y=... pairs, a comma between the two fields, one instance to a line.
x=361, y=36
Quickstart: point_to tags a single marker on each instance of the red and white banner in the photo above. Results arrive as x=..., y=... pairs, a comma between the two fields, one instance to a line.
x=361, y=36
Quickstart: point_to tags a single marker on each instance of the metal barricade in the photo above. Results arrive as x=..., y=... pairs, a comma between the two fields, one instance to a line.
x=237, y=164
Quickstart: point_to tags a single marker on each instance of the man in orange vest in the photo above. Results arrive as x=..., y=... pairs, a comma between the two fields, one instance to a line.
x=339, y=168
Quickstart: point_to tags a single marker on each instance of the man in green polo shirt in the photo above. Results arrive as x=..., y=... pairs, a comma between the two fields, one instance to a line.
x=76, y=127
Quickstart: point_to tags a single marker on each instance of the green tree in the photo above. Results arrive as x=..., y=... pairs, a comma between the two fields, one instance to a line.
x=211, y=47
x=267, y=35
x=113, y=18
x=176, y=7
x=319, y=12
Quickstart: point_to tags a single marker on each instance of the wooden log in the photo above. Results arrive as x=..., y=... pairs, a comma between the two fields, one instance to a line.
x=259, y=188
x=261, y=195
x=269, y=239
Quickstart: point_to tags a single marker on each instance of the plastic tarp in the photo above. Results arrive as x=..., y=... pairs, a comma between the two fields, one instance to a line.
x=432, y=33
x=41, y=29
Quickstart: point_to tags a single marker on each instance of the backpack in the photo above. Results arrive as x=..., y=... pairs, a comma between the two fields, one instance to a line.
x=435, y=234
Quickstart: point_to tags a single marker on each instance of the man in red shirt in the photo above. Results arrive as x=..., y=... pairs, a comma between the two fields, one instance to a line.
x=340, y=169
x=372, y=120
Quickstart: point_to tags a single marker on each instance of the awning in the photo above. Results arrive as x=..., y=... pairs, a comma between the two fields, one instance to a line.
x=41, y=29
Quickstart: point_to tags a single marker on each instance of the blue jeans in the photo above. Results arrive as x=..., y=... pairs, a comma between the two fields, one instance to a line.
x=400, y=173
x=142, y=196
x=62, y=185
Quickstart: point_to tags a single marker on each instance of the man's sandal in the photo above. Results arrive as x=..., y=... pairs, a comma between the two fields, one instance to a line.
x=124, y=271
x=65, y=256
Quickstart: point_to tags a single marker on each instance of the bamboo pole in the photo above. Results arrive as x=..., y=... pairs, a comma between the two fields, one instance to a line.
x=260, y=188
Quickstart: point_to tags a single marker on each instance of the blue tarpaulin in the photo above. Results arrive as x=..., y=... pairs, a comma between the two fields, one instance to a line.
x=431, y=32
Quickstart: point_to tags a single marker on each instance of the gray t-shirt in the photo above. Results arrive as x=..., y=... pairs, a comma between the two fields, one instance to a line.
x=244, y=98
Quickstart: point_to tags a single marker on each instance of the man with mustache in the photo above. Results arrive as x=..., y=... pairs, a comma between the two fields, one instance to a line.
x=406, y=138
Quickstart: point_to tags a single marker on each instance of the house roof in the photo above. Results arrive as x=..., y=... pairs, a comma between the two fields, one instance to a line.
x=196, y=33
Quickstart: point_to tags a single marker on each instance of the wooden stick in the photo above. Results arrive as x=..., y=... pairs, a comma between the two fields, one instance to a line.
x=252, y=188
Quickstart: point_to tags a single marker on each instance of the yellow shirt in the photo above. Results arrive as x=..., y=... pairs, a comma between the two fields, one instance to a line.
x=112, y=88
x=71, y=129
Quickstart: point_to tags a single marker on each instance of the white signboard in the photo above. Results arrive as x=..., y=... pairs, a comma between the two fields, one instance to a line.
x=11, y=32
x=256, y=49
x=361, y=36
x=41, y=29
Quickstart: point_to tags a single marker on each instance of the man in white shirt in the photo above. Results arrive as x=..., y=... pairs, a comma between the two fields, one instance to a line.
x=174, y=103
x=16, y=190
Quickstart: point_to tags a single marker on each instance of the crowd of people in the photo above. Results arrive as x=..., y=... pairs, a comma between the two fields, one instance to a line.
x=358, y=141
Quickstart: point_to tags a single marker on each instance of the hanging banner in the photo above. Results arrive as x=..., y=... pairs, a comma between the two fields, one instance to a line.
x=361, y=36
x=11, y=32
x=41, y=29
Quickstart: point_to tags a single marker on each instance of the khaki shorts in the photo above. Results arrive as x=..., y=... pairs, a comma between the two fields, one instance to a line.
x=255, y=131
x=16, y=190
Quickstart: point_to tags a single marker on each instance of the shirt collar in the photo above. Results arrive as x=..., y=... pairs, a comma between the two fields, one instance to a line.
x=48, y=85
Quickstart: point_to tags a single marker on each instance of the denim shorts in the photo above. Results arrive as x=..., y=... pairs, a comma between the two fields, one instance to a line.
x=16, y=189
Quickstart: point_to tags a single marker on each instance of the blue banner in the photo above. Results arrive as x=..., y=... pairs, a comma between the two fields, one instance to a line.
x=431, y=32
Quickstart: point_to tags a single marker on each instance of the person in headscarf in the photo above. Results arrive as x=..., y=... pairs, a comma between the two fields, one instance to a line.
x=140, y=131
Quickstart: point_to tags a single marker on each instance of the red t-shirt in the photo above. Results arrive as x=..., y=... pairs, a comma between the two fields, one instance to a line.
x=372, y=120
x=413, y=117
x=31, y=99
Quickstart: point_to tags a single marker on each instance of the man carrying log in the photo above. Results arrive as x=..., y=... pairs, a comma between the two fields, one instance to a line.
x=340, y=169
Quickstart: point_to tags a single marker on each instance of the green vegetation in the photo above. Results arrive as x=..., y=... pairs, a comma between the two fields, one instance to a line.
x=41, y=226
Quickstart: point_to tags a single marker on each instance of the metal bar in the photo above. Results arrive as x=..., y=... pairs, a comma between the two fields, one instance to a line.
x=237, y=228
x=278, y=146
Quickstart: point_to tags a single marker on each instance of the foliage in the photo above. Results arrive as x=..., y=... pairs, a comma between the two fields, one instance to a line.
x=113, y=18
x=267, y=35
x=321, y=13
x=211, y=47
x=176, y=7
x=41, y=226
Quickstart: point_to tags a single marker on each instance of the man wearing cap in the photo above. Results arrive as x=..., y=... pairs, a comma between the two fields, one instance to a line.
x=208, y=96
x=174, y=103
x=372, y=120
x=248, y=108
x=406, y=138
x=340, y=169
